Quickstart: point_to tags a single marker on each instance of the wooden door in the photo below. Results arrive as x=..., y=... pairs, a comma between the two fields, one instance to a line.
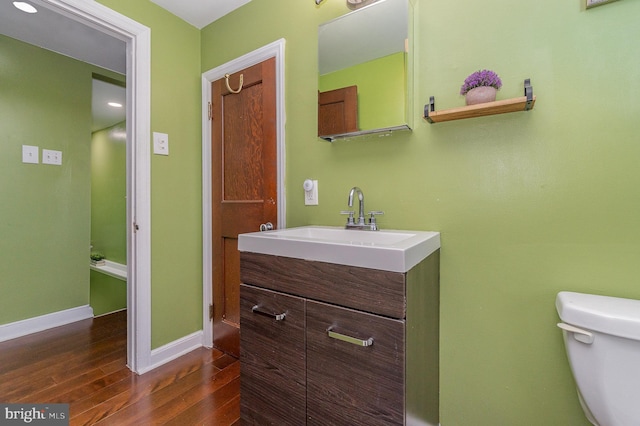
x=338, y=111
x=244, y=184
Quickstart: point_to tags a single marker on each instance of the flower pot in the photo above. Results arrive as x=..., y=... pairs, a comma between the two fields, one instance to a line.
x=480, y=95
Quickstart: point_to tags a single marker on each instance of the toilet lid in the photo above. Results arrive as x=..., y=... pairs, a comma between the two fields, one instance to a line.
x=611, y=315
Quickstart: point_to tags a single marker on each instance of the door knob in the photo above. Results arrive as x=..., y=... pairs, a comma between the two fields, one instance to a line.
x=266, y=226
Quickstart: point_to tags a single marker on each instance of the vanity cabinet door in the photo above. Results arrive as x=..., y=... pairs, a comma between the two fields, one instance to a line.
x=272, y=358
x=355, y=367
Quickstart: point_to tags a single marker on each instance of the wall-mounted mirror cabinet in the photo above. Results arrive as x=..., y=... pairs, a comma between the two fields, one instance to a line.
x=365, y=71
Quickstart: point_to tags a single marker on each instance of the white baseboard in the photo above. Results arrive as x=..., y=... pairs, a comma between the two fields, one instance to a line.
x=109, y=313
x=412, y=421
x=44, y=322
x=173, y=350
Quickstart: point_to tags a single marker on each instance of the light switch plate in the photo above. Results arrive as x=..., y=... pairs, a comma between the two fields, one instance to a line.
x=52, y=157
x=160, y=143
x=30, y=154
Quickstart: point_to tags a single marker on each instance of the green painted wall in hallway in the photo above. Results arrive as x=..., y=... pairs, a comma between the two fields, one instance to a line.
x=176, y=182
x=528, y=204
x=108, y=294
x=109, y=215
x=45, y=209
x=109, y=193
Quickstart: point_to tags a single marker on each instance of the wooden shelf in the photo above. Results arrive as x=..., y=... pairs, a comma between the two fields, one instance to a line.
x=524, y=103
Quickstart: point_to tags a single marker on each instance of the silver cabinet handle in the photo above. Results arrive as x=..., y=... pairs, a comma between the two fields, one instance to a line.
x=266, y=226
x=579, y=334
x=349, y=339
x=258, y=310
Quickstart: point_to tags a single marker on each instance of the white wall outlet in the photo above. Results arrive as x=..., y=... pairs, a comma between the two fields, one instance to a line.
x=30, y=154
x=51, y=157
x=310, y=192
x=160, y=143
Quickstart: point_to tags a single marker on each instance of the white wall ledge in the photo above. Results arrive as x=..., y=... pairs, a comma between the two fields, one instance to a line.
x=113, y=269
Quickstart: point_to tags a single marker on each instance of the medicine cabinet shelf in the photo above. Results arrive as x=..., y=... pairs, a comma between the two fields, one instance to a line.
x=524, y=103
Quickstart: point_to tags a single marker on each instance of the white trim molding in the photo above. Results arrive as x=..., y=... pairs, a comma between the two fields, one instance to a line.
x=44, y=322
x=273, y=50
x=173, y=350
x=412, y=421
x=138, y=41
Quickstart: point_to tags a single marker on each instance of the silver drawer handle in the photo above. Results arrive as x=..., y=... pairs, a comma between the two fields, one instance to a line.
x=349, y=339
x=258, y=310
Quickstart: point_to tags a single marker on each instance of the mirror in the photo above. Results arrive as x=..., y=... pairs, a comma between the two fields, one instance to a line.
x=364, y=71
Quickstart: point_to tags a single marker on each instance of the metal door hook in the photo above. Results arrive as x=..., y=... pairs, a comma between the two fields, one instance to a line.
x=226, y=80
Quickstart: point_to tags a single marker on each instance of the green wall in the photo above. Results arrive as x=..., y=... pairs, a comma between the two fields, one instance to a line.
x=108, y=294
x=528, y=204
x=45, y=100
x=176, y=180
x=109, y=215
x=109, y=193
x=381, y=84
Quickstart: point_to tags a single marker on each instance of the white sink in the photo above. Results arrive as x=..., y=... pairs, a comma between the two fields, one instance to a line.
x=388, y=250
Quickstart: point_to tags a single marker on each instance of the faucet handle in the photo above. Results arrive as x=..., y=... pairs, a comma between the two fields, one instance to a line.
x=372, y=219
x=350, y=218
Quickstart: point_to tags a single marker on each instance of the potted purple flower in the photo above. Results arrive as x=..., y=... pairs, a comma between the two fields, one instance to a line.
x=481, y=87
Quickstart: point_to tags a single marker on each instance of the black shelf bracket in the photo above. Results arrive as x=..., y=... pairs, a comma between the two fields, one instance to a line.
x=528, y=93
x=431, y=106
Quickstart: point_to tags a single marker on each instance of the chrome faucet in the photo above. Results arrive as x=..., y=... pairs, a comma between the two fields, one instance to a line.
x=362, y=222
x=360, y=203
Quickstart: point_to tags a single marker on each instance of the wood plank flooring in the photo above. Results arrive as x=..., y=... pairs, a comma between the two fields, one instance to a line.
x=84, y=364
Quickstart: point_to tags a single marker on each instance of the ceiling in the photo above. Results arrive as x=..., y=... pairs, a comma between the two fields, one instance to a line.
x=200, y=13
x=104, y=115
x=54, y=31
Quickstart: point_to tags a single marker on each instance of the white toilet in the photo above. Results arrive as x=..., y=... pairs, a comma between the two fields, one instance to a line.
x=602, y=339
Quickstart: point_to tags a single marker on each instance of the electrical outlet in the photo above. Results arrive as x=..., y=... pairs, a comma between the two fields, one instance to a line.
x=52, y=157
x=160, y=143
x=30, y=154
x=310, y=192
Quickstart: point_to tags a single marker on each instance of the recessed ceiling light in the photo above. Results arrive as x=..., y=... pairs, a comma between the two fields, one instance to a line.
x=114, y=104
x=25, y=7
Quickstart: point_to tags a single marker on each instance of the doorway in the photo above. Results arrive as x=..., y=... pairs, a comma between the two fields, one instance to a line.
x=244, y=193
x=138, y=42
x=273, y=51
x=108, y=276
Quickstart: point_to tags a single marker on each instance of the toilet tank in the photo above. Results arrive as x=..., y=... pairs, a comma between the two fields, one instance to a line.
x=602, y=340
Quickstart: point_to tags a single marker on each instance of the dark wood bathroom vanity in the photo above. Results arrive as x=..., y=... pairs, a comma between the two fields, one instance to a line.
x=329, y=344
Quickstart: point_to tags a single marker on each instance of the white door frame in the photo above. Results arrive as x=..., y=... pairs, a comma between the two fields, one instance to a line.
x=272, y=50
x=138, y=40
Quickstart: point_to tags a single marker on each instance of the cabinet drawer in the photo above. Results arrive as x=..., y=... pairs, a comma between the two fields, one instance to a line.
x=348, y=383
x=272, y=358
x=369, y=290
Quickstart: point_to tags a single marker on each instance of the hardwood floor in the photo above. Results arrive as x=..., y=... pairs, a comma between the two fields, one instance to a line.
x=84, y=364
